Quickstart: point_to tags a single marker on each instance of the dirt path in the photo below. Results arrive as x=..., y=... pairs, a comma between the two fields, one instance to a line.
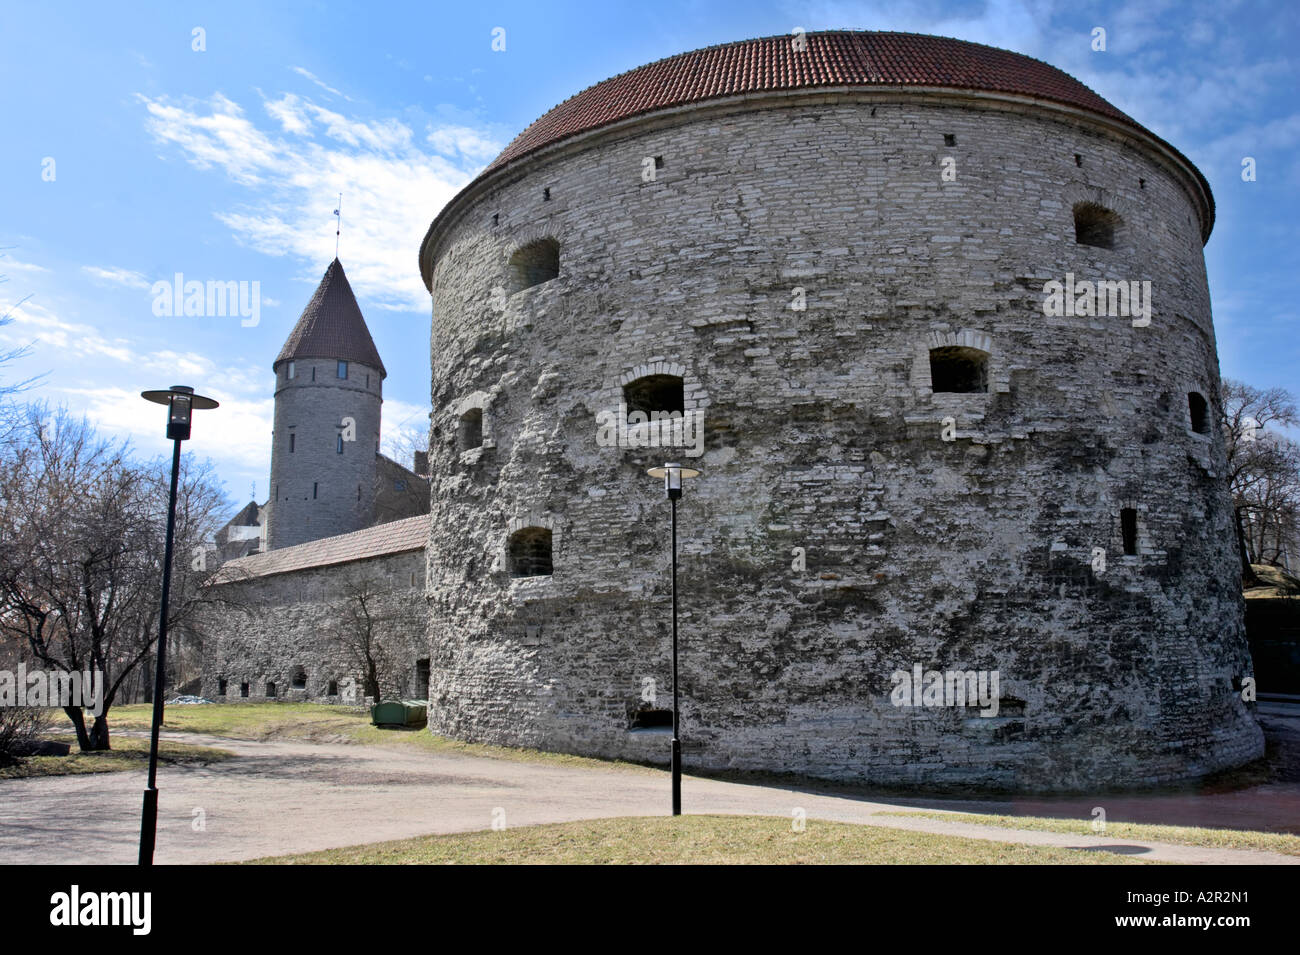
x=282, y=797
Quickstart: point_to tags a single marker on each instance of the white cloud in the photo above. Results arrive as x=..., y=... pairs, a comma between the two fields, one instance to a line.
x=30, y=318
x=239, y=432
x=392, y=185
x=117, y=276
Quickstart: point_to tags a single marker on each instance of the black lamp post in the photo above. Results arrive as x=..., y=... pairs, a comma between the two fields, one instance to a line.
x=673, y=475
x=181, y=402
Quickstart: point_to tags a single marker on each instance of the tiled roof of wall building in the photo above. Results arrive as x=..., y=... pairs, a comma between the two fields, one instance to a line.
x=396, y=537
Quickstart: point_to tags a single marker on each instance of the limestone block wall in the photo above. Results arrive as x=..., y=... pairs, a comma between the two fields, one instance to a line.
x=798, y=258
x=316, y=490
x=260, y=630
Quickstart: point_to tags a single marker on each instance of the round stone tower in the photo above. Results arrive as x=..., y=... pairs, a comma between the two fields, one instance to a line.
x=328, y=394
x=933, y=319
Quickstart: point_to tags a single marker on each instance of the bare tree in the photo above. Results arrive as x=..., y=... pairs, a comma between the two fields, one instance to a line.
x=1263, y=471
x=81, y=544
x=360, y=632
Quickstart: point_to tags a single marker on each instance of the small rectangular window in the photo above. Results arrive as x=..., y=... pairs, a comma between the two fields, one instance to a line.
x=291, y=442
x=343, y=369
x=313, y=373
x=340, y=445
x=270, y=689
x=221, y=687
x=291, y=371
x=314, y=485
x=243, y=689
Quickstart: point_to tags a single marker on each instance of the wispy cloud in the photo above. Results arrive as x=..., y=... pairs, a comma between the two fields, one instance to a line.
x=124, y=277
x=393, y=182
x=13, y=265
x=319, y=82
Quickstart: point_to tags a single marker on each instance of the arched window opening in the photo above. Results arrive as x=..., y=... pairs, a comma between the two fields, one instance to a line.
x=1200, y=412
x=1095, y=225
x=534, y=263
x=655, y=393
x=299, y=678
x=960, y=370
x=530, y=552
x=469, y=430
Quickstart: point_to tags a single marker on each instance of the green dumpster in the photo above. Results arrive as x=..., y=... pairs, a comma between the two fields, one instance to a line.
x=400, y=713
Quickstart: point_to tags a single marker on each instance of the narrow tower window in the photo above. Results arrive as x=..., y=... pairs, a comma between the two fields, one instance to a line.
x=469, y=430
x=343, y=369
x=291, y=442
x=339, y=447
x=1128, y=525
x=1200, y=412
x=290, y=371
x=314, y=486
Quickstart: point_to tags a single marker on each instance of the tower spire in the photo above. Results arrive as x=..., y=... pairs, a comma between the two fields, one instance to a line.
x=338, y=226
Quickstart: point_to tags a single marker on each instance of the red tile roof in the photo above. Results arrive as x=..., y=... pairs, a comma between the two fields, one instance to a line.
x=396, y=537
x=332, y=326
x=841, y=58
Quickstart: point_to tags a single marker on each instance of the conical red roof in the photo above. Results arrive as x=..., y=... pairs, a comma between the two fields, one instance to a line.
x=332, y=326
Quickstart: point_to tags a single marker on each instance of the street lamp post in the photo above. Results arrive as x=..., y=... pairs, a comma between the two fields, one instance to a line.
x=672, y=475
x=181, y=402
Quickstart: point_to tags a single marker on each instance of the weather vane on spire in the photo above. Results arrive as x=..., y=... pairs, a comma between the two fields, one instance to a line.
x=338, y=226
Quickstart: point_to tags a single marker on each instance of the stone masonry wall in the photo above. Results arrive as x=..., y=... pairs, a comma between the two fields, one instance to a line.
x=822, y=434
x=258, y=631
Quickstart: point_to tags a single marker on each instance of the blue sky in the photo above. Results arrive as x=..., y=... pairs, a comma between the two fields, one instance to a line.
x=225, y=164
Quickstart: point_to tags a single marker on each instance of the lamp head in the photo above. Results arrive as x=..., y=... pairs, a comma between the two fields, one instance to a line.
x=673, y=474
x=181, y=402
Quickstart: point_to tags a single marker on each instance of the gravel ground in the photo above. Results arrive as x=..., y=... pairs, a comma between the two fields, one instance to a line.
x=282, y=797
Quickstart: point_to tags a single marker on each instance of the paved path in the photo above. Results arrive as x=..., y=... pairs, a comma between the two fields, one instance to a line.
x=282, y=797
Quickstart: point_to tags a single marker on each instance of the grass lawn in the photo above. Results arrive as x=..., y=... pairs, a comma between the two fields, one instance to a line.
x=1175, y=835
x=127, y=753
x=708, y=840
x=321, y=723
